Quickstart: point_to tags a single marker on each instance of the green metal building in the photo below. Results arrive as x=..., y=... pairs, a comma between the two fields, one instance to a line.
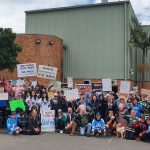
x=95, y=38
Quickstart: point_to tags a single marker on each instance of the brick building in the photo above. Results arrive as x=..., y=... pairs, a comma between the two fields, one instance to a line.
x=40, y=49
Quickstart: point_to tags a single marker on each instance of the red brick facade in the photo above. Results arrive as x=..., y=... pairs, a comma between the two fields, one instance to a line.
x=48, y=52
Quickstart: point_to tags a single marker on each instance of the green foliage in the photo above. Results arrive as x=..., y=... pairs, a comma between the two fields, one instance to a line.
x=8, y=49
x=139, y=37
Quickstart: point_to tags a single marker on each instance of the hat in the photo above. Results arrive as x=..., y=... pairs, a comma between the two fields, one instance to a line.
x=13, y=113
x=98, y=114
x=55, y=94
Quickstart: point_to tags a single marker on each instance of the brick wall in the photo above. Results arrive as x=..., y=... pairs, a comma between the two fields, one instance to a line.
x=42, y=54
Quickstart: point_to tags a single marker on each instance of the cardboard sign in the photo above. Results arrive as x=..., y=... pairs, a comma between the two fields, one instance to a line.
x=47, y=121
x=85, y=88
x=70, y=82
x=71, y=94
x=55, y=86
x=107, y=84
x=34, y=83
x=14, y=104
x=47, y=72
x=27, y=70
x=145, y=91
x=96, y=87
x=20, y=82
x=3, y=96
x=125, y=87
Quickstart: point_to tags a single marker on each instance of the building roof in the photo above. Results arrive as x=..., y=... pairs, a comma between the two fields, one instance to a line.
x=78, y=6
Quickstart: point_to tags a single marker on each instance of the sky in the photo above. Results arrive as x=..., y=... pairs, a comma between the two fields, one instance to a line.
x=12, y=11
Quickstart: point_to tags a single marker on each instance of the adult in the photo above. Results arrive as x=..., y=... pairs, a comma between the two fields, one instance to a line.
x=34, y=122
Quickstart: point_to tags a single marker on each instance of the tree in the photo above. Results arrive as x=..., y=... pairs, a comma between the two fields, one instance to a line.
x=8, y=49
x=140, y=39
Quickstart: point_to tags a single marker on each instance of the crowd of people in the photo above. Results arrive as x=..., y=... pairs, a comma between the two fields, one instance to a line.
x=93, y=114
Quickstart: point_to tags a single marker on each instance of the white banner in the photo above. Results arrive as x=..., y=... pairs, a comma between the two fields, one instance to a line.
x=3, y=96
x=27, y=70
x=71, y=94
x=55, y=86
x=48, y=122
x=107, y=84
x=47, y=72
x=125, y=87
x=70, y=82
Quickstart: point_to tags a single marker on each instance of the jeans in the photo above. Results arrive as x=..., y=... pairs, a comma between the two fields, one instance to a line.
x=86, y=129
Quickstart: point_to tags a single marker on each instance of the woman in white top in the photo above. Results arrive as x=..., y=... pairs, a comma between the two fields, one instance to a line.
x=44, y=103
x=32, y=100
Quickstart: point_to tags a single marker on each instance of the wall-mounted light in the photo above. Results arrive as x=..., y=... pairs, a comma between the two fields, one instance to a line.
x=38, y=41
x=51, y=42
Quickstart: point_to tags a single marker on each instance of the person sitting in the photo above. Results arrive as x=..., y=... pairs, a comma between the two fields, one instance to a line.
x=140, y=127
x=34, y=123
x=23, y=121
x=70, y=120
x=60, y=121
x=98, y=125
x=12, y=127
x=111, y=123
x=132, y=124
x=145, y=135
x=84, y=122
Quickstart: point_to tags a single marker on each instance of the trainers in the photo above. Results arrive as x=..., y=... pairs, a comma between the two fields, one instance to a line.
x=61, y=131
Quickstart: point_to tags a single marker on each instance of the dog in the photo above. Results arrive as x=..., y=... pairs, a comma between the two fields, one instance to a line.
x=120, y=131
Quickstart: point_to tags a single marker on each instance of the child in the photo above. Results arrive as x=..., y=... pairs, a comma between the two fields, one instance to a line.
x=34, y=127
x=98, y=125
x=12, y=127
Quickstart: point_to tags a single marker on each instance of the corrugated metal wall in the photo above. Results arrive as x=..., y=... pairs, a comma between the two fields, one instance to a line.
x=94, y=37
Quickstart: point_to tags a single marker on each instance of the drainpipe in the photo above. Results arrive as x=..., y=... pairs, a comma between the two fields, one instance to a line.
x=125, y=41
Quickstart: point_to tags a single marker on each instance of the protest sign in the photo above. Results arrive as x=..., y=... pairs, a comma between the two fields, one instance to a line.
x=1, y=89
x=146, y=92
x=47, y=121
x=96, y=87
x=107, y=84
x=55, y=86
x=47, y=72
x=20, y=82
x=135, y=89
x=125, y=87
x=27, y=70
x=71, y=94
x=3, y=96
x=84, y=88
x=70, y=82
x=34, y=83
x=16, y=104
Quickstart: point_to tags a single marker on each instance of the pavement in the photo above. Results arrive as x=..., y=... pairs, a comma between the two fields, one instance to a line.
x=56, y=141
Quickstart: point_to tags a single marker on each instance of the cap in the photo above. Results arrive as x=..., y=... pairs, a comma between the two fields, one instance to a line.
x=55, y=94
x=13, y=113
x=98, y=114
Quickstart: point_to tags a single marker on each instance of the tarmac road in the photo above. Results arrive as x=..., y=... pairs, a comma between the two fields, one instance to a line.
x=56, y=141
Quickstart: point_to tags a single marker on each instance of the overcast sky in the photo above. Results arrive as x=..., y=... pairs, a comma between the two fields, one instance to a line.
x=12, y=11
